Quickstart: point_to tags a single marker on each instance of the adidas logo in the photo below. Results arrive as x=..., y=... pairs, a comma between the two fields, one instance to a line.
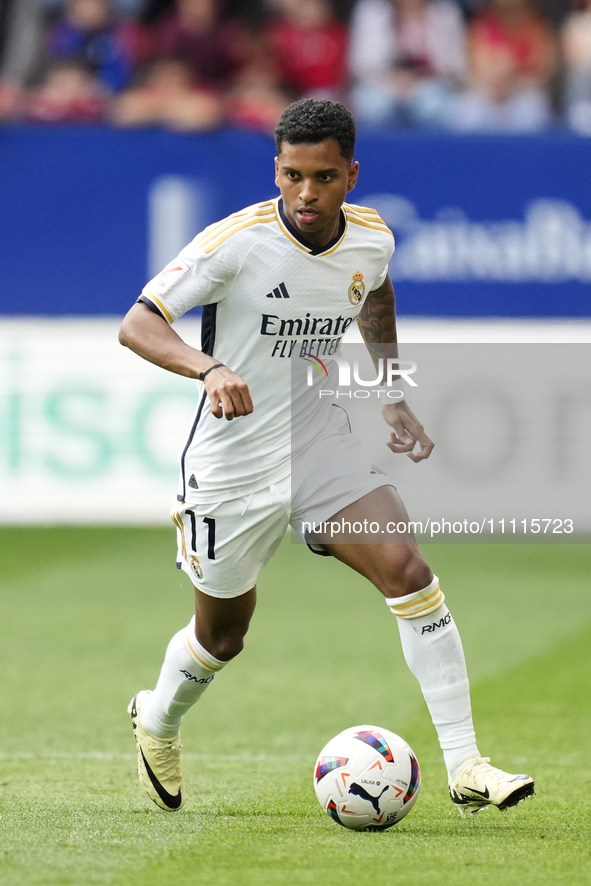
x=193, y=482
x=279, y=292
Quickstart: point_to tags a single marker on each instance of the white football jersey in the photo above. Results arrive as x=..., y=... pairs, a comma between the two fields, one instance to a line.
x=268, y=297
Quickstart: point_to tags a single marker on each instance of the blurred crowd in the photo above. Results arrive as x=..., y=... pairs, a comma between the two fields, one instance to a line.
x=193, y=65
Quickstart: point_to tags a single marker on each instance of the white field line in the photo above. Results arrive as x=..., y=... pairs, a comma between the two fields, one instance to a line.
x=107, y=755
x=245, y=758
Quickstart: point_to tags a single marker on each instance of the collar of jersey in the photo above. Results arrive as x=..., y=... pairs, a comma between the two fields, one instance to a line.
x=294, y=235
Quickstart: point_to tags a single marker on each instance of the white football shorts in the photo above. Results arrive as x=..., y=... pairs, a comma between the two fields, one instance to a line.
x=223, y=547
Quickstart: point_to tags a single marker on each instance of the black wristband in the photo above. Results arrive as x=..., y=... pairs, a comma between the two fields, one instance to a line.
x=202, y=375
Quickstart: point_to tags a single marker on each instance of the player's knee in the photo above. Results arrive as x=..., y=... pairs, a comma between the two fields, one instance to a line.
x=409, y=573
x=224, y=645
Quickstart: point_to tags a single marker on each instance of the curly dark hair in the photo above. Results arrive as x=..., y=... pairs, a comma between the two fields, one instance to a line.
x=310, y=121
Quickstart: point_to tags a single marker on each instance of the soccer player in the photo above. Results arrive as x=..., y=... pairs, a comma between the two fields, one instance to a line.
x=279, y=280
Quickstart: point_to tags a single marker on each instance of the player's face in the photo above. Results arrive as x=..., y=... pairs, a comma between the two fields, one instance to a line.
x=314, y=181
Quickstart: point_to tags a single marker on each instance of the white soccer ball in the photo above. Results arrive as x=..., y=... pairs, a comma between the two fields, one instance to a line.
x=367, y=778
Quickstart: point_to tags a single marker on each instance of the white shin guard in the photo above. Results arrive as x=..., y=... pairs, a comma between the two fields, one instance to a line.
x=187, y=671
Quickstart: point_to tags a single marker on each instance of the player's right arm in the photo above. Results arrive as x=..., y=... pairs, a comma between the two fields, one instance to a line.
x=149, y=335
x=203, y=273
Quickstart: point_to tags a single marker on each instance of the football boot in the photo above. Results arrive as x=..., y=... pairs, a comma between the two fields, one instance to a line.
x=158, y=761
x=476, y=784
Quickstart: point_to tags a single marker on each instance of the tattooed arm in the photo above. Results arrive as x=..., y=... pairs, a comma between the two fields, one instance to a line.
x=377, y=322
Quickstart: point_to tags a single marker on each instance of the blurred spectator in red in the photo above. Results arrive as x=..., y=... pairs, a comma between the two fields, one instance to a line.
x=256, y=101
x=512, y=58
x=197, y=32
x=309, y=45
x=406, y=58
x=93, y=32
x=169, y=96
x=576, y=51
x=21, y=40
x=519, y=28
x=69, y=93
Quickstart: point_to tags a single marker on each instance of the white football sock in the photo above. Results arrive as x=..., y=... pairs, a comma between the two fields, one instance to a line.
x=433, y=651
x=187, y=671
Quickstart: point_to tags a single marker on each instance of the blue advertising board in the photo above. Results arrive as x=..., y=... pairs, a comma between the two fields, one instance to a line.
x=485, y=226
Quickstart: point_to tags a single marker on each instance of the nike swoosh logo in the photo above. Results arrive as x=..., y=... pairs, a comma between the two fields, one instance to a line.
x=173, y=802
x=484, y=793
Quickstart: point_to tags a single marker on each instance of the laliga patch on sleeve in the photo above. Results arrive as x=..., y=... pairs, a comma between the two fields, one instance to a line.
x=171, y=274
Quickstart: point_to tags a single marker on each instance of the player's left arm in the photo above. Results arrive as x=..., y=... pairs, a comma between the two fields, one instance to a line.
x=377, y=323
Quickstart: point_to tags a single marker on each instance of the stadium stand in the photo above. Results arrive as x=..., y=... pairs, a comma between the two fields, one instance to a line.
x=467, y=65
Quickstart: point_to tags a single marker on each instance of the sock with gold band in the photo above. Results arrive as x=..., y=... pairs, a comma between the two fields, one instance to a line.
x=187, y=671
x=434, y=653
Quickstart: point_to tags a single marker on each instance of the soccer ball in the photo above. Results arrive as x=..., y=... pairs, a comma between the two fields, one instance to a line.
x=367, y=778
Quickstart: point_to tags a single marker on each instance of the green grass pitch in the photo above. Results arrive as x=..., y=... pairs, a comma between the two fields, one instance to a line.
x=85, y=616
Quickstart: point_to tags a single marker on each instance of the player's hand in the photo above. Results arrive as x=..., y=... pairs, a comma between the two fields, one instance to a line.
x=228, y=394
x=407, y=431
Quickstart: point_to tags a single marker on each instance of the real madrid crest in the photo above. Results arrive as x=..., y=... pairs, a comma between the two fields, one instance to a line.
x=357, y=288
x=196, y=567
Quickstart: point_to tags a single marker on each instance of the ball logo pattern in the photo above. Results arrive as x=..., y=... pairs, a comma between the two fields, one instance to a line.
x=367, y=778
